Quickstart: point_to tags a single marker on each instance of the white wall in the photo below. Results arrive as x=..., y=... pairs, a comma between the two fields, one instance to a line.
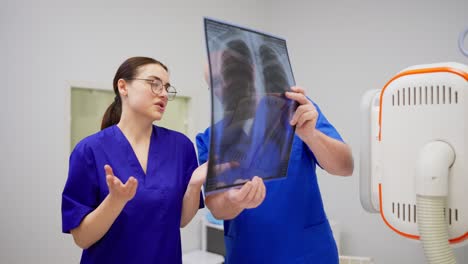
x=340, y=49
x=45, y=45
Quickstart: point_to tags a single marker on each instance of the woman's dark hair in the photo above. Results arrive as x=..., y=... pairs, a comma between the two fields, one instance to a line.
x=126, y=71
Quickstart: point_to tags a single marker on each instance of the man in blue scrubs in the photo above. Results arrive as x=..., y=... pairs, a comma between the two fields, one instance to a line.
x=288, y=224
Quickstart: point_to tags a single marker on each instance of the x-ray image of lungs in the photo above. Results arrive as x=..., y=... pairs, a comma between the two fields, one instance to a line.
x=250, y=132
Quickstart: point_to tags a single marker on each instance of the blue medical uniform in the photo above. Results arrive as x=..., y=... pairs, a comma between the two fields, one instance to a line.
x=290, y=226
x=148, y=228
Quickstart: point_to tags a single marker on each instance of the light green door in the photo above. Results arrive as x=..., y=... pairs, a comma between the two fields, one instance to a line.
x=176, y=115
x=88, y=107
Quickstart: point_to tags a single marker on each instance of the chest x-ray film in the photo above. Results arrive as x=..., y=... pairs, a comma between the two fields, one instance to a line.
x=250, y=131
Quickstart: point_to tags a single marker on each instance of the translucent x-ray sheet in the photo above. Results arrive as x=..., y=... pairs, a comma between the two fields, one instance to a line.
x=250, y=130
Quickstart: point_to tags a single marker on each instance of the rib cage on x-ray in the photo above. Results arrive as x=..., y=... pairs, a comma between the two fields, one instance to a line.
x=239, y=93
x=250, y=129
x=274, y=75
x=276, y=82
x=240, y=104
x=238, y=76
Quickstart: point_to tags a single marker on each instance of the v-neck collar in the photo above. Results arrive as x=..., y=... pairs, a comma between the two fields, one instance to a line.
x=131, y=155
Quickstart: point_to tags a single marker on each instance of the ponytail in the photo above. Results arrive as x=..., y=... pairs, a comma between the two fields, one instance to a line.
x=112, y=115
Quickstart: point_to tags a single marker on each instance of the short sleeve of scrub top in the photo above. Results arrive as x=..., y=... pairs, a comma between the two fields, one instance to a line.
x=324, y=126
x=78, y=202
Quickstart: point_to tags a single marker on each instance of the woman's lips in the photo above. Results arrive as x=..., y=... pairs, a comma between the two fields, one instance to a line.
x=161, y=107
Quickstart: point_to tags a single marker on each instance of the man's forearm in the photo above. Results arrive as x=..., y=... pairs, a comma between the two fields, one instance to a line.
x=334, y=156
x=221, y=207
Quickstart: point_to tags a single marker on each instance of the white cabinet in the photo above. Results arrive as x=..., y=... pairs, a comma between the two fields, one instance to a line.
x=203, y=256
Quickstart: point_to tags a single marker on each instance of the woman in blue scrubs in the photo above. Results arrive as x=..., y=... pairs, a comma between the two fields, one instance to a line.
x=132, y=185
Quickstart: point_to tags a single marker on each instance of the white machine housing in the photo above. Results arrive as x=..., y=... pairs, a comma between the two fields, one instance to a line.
x=421, y=104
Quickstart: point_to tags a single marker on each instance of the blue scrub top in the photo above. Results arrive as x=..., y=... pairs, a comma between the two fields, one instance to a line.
x=290, y=226
x=148, y=228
